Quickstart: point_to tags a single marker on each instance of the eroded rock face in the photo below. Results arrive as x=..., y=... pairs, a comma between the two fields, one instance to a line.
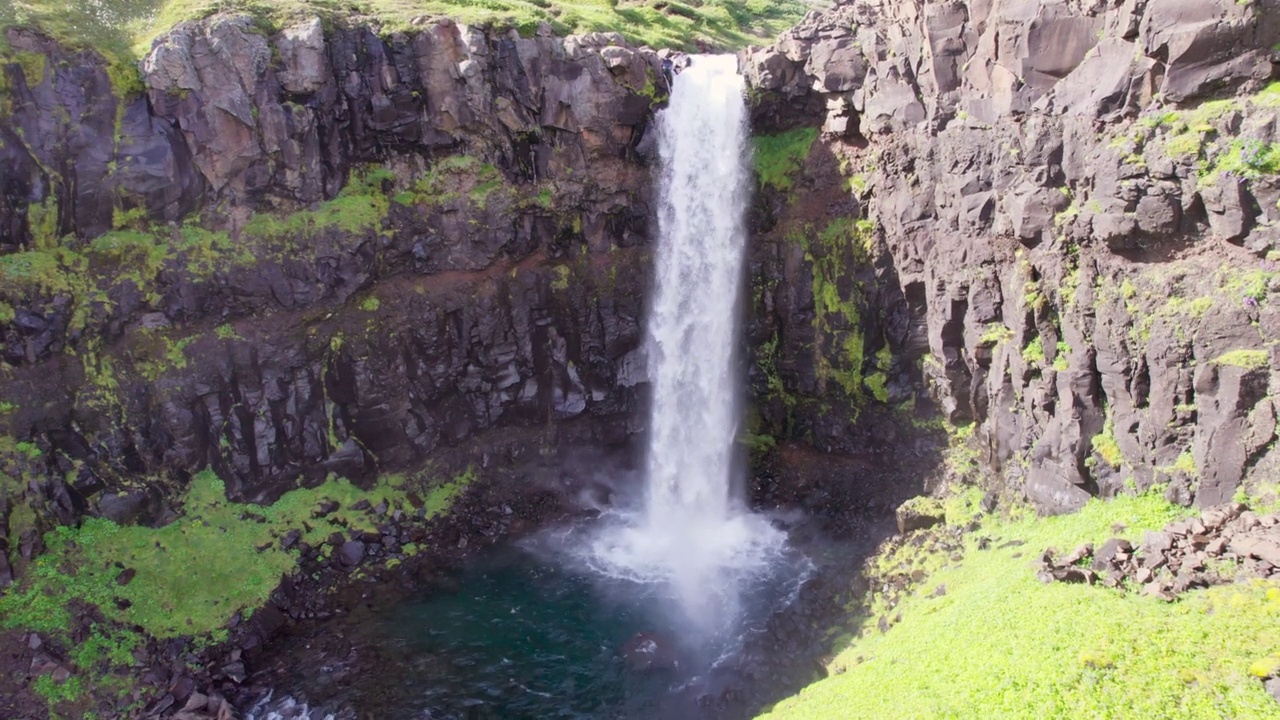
x=1075, y=205
x=483, y=267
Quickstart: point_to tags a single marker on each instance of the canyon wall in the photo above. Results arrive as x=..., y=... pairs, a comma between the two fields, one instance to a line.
x=313, y=251
x=1078, y=204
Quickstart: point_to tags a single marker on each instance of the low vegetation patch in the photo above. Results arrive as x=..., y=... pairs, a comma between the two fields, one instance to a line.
x=191, y=576
x=124, y=29
x=1247, y=359
x=981, y=637
x=779, y=157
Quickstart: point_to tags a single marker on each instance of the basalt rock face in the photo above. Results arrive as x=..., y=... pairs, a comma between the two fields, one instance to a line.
x=403, y=242
x=1080, y=205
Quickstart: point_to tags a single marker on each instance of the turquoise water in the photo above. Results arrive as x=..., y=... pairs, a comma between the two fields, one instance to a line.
x=520, y=634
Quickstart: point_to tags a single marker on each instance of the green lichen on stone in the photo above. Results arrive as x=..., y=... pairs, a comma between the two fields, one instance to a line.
x=560, y=282
x=778, y=158
x=834, y=255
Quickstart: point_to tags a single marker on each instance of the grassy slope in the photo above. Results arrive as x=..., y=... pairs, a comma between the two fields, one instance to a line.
x=125, y=28
x=1000, y=644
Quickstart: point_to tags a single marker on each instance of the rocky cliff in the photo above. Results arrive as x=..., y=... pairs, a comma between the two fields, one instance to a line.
x=312, y=251
x=1074, y=211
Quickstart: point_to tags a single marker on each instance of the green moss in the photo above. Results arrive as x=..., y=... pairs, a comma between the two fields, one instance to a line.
x=1061, y=358
x=359, y=209
x=877, y=383
x=767, y=360
x=159, y=354
x=561, y=281
x=1248, y=159
x=778, y=158
x=206, y=252
x=219, y=558
x=1185, y=463
x=545, y=198
x=137, y=257
x=756, y=443
x=1033, y=353
x=961, y=456
x=226, y=332
x=1248, y=359
x=55, y=693
x=39, y=272
x=1036, y=650
x=370, y=304
x=834, y=255
x=995, y=334
x=33, y=66
x=135, y=219
x=1104, y=443
x=42, y=220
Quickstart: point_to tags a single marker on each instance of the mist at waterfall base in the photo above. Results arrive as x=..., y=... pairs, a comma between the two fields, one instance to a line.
x=637, y=612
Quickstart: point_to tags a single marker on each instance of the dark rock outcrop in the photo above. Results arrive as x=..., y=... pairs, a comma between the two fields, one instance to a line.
x=1080, y=212
x=403, y=242
x=1224, y=543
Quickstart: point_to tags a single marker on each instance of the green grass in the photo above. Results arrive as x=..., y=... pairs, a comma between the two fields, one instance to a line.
x=1249, y=159
x=1104, y=443
x=779, y=157
x=995, y=333
x=1033, y=353
x=195, y=573
x=124, y=29
x=1001, y=644
x=1248, y=359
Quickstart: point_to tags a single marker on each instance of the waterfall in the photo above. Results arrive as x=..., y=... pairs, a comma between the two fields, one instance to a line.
x=693, y=534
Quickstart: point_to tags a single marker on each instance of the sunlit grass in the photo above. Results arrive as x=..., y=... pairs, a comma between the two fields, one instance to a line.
x=192, y=575
x=1001, y=644
x=125, y=28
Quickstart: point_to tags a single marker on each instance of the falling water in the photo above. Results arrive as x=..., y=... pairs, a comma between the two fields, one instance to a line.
x=693, y=534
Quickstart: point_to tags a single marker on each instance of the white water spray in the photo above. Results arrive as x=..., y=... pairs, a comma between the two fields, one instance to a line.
x=693, y=534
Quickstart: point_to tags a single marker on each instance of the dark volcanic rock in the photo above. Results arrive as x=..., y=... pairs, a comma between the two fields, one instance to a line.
x=1054, y=248
x=516, y=309
x=351, y=553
